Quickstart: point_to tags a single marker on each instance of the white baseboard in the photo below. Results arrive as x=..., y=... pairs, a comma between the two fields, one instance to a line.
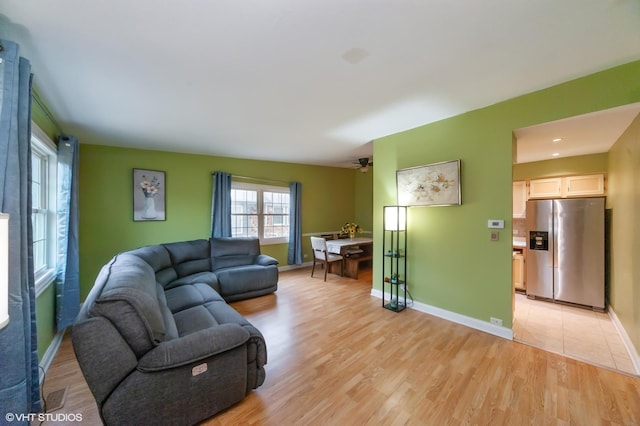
x=633, y=353
x=50, y=354
x=474, y=323
x=292, y=267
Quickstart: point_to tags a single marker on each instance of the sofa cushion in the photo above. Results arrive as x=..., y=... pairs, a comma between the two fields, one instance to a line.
x=129, y=299
x=194, y=319
x=158, y=258
x=171, y=332
x=229, y=252
x=189, y=257
x=246, y=279
x=209, y=314
x=208, y=278
x=188, y=296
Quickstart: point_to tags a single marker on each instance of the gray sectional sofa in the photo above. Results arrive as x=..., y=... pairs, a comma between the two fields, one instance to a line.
x=156, y=340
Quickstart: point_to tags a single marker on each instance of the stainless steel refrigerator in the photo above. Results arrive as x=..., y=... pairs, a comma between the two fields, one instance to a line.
x=565, y=250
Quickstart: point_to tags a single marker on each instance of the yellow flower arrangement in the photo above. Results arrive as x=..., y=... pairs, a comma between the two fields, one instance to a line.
x=350, y=228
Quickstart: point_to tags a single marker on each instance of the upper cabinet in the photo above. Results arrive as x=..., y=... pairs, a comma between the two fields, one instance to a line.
x=520, y=199
x=568, y=186
x=585, y=185
x=545, y=188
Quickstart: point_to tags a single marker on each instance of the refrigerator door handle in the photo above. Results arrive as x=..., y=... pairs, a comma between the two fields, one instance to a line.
x=553, y=259
x=554, y=225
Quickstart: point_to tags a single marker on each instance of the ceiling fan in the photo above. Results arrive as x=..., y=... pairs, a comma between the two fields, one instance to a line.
x=363, y=164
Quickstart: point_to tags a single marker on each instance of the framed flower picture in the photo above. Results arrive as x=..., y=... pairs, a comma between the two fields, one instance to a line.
x=149, y=195
x=435, y=184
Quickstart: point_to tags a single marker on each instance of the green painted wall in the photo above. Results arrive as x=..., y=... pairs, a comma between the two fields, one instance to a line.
x=45, y=319
x=452, y=262
x=364, y=200
x=623, y=200
x=582, y=164
x=106, y=225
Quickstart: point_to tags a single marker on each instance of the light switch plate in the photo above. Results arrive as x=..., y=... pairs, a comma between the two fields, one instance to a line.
x=495, y=235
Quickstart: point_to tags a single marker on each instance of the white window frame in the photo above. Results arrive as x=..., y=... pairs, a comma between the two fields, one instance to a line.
x=260, y=189
x=43, y=146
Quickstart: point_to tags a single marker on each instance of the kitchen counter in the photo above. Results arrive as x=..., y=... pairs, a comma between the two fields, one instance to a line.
x=520, y=242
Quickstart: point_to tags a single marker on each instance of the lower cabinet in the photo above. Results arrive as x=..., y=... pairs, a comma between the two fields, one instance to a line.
x=518, y=271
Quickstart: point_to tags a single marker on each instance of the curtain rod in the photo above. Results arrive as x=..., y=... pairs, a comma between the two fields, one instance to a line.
x=260, y=180
x=46, y=112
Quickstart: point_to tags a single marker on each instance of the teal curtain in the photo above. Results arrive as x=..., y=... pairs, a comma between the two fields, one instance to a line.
x=294, y=255
x=221, y=205
x=67, y=265
x=19, y=375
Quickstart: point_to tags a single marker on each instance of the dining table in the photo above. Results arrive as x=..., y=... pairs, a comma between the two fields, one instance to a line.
x=354, y=251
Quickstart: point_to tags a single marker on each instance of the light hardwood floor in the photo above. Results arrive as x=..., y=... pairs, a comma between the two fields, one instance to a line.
x=336, y=357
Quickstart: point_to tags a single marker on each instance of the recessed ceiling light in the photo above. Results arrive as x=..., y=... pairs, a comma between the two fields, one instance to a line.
x=555, y=154
x=557, y=140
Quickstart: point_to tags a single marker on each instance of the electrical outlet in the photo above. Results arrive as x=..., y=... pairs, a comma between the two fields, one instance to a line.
x=495, y=321
x=305, y=255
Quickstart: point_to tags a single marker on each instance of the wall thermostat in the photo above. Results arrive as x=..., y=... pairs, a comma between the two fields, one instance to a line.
x=495, y=223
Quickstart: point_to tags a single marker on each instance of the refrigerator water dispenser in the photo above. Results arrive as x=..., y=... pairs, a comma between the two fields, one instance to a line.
x=538, y=240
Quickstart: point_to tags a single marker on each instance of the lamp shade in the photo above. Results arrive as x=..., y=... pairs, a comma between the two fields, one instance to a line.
x=4, y=269
x=395, y=218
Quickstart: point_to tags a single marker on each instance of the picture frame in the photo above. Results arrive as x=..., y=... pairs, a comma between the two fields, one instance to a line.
x=149, y=195
x=436, y=184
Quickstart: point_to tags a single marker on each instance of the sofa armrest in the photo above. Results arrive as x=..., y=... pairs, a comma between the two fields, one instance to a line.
x=265, y=260
x=193, y=347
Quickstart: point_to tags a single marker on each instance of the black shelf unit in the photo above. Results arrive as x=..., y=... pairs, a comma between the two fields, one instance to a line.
x=394, y=263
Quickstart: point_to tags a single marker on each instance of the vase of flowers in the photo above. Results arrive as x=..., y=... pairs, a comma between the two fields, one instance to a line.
x=150, y=189
x=351, y=229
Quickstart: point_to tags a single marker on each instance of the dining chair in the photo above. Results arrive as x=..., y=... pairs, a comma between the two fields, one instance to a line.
x=322, y=256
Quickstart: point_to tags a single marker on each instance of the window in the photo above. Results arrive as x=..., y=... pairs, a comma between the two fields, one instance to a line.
x=260, y=211
x=43, y=213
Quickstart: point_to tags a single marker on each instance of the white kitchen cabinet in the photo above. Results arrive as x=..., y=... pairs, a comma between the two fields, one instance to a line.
x=520, y=199
x=591, y=185
x=584, y=185
x=545, y=188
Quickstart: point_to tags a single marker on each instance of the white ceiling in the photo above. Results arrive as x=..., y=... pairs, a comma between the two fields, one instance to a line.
x=581, y=135
x=300, y=81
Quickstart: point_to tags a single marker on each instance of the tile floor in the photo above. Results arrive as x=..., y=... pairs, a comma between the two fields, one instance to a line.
x=575, y=332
